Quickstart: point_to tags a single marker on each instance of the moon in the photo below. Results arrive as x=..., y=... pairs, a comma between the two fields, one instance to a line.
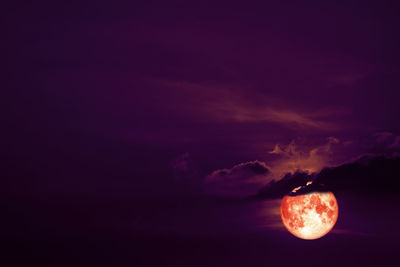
x=309, y=216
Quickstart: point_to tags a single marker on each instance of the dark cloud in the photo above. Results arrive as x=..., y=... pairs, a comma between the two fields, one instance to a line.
x=386, y=143
x=285, y=185
x=288, y=166
x=376, y=168
x=253, y=166
x=370, y=175
x=241, y=180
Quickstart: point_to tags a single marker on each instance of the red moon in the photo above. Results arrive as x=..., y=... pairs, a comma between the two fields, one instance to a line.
x=309, y=216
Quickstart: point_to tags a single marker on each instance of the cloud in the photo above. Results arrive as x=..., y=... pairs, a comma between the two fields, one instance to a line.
x=241, y=112
x=387, y=141
x=374, y=172
x=241, y=180
x=247, y=178
x=292, y=160
x=371, y=175
x=285, y=117
x=285, y=185
x=293, y=165
x=231, y=104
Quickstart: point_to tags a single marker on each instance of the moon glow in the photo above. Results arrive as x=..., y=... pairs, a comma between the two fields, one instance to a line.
x=309, y=216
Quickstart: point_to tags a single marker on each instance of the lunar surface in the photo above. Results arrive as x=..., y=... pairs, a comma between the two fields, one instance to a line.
x=309, y=216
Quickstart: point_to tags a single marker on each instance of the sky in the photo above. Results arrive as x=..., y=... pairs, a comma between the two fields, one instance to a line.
x=170, y=116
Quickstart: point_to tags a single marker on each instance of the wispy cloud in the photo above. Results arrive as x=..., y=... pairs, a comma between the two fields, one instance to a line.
x=232, y=104
x=292, y=160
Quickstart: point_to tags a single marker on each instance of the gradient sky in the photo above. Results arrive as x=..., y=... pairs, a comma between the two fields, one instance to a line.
x=183, y=99
x=224, y=82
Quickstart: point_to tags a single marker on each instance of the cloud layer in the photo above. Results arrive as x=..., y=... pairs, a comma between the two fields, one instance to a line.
x=371, y=175
x=294, y=165
x=244, y=178
x=241, y=180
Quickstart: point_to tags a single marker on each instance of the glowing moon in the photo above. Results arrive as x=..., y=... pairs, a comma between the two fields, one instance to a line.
x=309, y=216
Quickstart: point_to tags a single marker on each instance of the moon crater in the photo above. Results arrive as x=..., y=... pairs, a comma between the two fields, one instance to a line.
x=309, y=216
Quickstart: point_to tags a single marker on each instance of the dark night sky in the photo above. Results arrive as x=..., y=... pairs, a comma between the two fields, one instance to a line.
x=136, y=133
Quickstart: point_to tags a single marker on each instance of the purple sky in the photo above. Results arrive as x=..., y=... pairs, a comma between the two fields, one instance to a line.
x=131, y=130
x=224, y=82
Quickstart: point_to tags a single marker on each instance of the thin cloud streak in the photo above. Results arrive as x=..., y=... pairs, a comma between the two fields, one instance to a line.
x=231, y=104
